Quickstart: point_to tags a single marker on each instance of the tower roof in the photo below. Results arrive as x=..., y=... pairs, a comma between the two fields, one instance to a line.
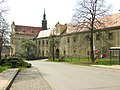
x=44, y=16
x=44, y=21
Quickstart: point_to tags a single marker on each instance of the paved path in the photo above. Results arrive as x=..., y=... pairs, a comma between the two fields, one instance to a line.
x=6, y=78
x=29, y=79
x=62, y=76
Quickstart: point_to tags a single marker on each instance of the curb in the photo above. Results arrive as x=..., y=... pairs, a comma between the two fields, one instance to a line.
x=106, y=67
x=7, y=87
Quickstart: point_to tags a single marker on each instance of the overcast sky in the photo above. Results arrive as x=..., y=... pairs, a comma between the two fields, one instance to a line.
x=30, y=12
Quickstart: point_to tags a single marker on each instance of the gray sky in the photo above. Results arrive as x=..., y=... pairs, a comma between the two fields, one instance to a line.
x=30, y=12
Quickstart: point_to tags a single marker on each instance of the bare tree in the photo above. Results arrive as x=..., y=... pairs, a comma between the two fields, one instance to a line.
x=3, y=33
x=54, y=42
x=3, y=26
x=3, y=8
x=87, y=14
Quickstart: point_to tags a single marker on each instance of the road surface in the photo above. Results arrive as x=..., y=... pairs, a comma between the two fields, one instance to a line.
x=61, y=76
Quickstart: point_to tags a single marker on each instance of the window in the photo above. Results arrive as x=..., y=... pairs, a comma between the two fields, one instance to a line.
x=87, y=37
x=64, y=52
x=24, y=31
x=32, y=31
x=68, y=39
x=46, y=41
x=97, y=36
x=74, y=39
x=43, y=53
x=42, y=41
x=39, y=42
x=39, y=51
x=110, y=36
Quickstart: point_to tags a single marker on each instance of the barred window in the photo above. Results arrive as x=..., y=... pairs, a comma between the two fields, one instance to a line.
x=39, y=42
x=74, y=39
x=87, y=37
x=68, y=40
x=46, y=41
x=42, y=41
x=110, y=36
x=97, y=36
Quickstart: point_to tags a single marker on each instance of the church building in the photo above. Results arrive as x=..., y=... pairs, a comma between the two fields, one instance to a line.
x=20, y=32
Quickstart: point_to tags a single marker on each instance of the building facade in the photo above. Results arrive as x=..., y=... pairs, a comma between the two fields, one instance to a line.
x=70, y=42
x=21, y=32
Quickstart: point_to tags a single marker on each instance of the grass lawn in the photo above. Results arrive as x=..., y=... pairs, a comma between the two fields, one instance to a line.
x=86, y=61
x=106, y=61
x=2, y=69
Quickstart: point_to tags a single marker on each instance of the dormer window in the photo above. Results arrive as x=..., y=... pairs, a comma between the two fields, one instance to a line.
x=73, y=25
x=32, y=31
x=115, y=22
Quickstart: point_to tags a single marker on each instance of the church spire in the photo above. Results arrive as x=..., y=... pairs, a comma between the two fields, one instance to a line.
x=44, y=21
x=44, y=16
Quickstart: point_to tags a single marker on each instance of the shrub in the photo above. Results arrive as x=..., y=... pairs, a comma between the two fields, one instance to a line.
x=15, y=63
x=2, y=68
x=62, y=59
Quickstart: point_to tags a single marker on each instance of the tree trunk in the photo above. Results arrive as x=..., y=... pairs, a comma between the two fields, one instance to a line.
x=91, y=47
x=0, y=47
x=0, y=52
x=53, y=50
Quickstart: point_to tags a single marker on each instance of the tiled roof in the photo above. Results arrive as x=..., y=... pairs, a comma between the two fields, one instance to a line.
x=73, y=28
x=112, y=20
x=27, y=30
x=109, y=21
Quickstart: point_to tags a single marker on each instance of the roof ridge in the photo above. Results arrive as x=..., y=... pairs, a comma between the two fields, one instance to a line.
x=28, y=26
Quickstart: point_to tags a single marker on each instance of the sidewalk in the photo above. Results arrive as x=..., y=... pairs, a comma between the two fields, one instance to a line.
x=30, y=79
x=116, y=67
x=27, y=79
x=7, y=77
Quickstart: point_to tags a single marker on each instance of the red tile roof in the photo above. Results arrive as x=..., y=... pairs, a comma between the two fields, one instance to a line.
x=27, y=30
x=112, y=20
x=109, y=21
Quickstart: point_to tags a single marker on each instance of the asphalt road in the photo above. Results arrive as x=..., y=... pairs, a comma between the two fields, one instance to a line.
x=61, y=76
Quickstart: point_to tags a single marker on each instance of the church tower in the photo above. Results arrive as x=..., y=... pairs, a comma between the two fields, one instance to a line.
x=44, y=21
